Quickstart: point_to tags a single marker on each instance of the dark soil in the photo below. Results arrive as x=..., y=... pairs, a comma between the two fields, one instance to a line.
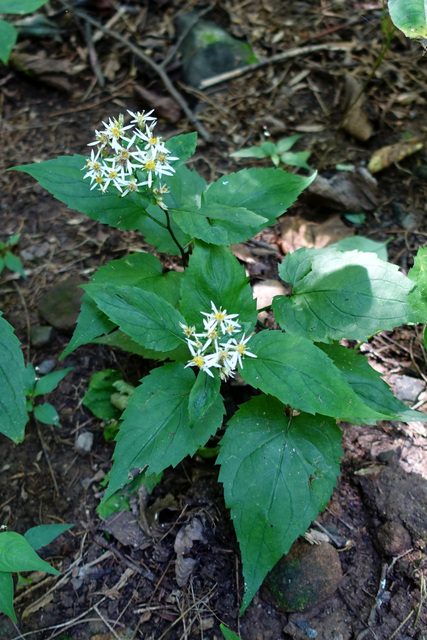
x=117, y=589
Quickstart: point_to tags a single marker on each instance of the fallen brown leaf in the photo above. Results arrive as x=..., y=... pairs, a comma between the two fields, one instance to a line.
x=386, y=156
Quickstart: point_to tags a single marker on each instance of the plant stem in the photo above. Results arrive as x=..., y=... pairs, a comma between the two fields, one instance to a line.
x=184, y=256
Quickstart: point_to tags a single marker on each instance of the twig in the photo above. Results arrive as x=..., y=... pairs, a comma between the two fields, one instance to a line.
x=46, y=455
x=375, y=606
x=105, y=621
x=159, y=70
x=285, y=55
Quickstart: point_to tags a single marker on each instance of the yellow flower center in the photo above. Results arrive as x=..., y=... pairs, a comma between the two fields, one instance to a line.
x=198, y=361
x=150, y=165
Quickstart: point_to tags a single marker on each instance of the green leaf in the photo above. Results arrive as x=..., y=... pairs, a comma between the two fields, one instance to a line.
x=43, y=535
x=47, y=383
x=122, y=341
x=260, y=151
x=266, y=192
x=2, y=264
x=219, y=224
x=287, y=143
x=144, y=316
x=16, y=554
x=91, y=323
x=349, y=294
x=20, y=6
x=418, y=296
x=360, y=243
x=8, y=37
x=182, y=146
x=298, y=373
x=215, y=275
x=155, y=431
x=13, y=413
x=296, y=159
x=63, y=178
x=6, y=595
x=369, y=385
x=13, y=263
x=98, y=396
x=47, y=414
x=409, y=17
x=228, y=634
x=204, y=393
x=278, y=473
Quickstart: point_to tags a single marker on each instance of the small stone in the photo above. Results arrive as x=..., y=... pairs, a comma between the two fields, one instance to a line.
x=393, y=538
x=84, y=443
x=60, y=306
x=304, y=577
x=406, y=388
x=40, y=336
x=265, y=291
x=46, y=366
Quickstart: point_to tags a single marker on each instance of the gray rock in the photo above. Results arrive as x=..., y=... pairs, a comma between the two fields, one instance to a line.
x=406, y=388
x=304, y=577
x=46, y=366
x=393, y=539
x=40, y=336
x=84, y=443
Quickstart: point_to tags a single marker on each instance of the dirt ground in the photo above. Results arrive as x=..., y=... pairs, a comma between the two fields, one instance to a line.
x=51, y=101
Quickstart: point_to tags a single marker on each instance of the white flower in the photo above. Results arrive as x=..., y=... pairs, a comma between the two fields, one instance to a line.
x=140, y=118
x=239, y=350
x=115, y=130
x=201, y=361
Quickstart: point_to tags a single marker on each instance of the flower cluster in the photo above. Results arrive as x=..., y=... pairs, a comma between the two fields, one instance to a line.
x=211, y=348
x=129, y=157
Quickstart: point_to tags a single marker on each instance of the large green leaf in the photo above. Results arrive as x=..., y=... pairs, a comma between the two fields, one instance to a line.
x=418, y=295
x=277, y=475
x=360, y=243
x=63, y=178
x=219, y=224
x=43, y=534
x=8, y=37
x=202, y=396
x=6, y=595
x=13, y=413
x=369, y=385
x=16, y=554
x=345, y=294
x=20, y=6
x=298, y=373
x=140, y=269
x=122, y=341
x=155, y=432
x=182, y=147
x=266, y=192
x=215, y=275
x=144, y=316
x=410, y=16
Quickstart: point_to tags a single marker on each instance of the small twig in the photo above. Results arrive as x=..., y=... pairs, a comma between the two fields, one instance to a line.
x=107, y=624
x=290, y=53
x=375, y=606
x=137, y=51
x=408, y=617
x=46, y=455
x=93, y=58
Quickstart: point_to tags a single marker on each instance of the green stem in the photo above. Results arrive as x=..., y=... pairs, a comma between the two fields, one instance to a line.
x=184, y=256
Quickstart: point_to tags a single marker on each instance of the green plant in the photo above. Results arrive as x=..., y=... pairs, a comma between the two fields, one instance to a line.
x=20, y=386
x=411, y=18
x=8, y=33
x=279, y=153
x=8, y=258
x=280, y=453
x=227, y=633
x=18, y=553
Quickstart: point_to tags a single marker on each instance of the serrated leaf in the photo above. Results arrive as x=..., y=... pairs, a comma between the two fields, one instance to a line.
x=202, y=396
x=47, y=383
x=43, y=534
x=418, y=295
x=277, y=475
x=266, y=192
x=369, y=385
x=16, y=554
x=360, y=243
x=144, y=316
x=349, y=294
x=219, y=224
x=155, y=432
x=63, y=178
x=91, y=323
x=182, y=147
x=215, y=275
x=6, y=595
x=98, y=396
x=20, y=7
x=47, y=414
x=122, y=341
x=13, y=413
x=409, y=17
x=298, y=373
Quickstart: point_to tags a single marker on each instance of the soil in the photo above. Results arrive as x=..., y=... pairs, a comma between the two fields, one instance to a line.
x=111, y=588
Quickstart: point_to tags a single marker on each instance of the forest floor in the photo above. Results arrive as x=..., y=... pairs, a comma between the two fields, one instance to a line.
x=51, y=101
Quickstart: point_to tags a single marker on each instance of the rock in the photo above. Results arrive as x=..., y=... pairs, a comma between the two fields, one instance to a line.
x=60, y=306
x=393, y=539
x=406, y=388
x=265, y=291
x=40, y=336
x=304, y=577
x=84, y=443
x=47, y=366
